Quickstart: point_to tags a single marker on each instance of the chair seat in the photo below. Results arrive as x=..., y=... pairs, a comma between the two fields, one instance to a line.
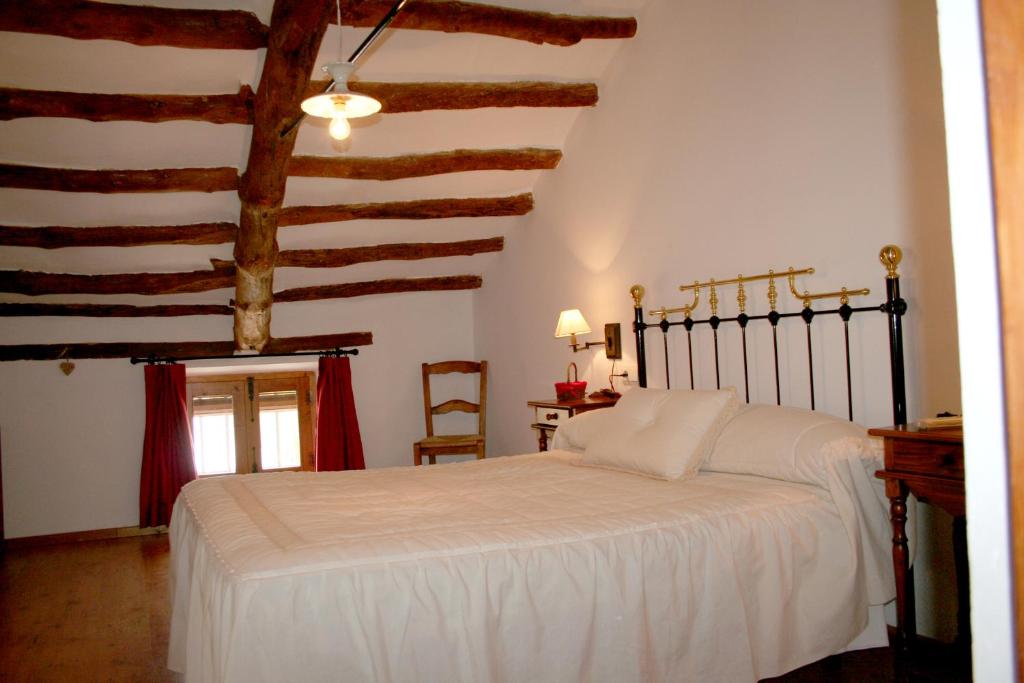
x=451, y=439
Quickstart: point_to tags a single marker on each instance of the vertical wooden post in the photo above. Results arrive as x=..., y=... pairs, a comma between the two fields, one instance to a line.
x=296, y=29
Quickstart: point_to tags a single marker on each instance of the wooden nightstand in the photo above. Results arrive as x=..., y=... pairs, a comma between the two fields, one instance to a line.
x=550, y=413
x=929, y=464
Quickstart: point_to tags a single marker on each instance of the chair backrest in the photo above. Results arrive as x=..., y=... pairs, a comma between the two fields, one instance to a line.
x=453, y=405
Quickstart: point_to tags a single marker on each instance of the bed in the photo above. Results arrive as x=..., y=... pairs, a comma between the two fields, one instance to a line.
x=761, y=548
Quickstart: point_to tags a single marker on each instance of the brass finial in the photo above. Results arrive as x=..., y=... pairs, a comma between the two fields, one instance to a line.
x=890, y=256
x=637, y=292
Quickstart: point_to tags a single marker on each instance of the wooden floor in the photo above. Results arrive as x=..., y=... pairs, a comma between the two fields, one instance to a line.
x=93, y=611
x=98, y=611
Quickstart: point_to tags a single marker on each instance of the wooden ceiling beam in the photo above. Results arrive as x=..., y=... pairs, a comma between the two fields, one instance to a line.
x=399, y=98
x=418, y=165
x=420, y=209
x=75, y=350
x=396, y=98
x=139, y=25
x=128, y=180
x=340, y=258
x=149, y=284
x=296, y=30
x=391, y=286
x=16, y=103
x=239, y=30
x=60, y=237
x=112, y=310
x=455, y=16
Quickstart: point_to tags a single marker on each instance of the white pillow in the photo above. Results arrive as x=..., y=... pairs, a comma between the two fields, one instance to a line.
x=576, y=433
x=785, y=443
x=660, y=433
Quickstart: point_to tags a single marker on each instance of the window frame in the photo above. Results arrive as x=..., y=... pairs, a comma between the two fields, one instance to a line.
x=246, y=411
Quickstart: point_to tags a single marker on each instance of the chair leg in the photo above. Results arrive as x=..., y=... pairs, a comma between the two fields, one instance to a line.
x=433, y=459
x=480, y=451
x=417, y=456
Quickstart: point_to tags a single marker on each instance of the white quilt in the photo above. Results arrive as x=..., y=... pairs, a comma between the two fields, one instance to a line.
x=525, y=568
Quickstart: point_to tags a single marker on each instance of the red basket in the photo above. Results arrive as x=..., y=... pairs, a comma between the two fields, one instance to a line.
x=570, y=391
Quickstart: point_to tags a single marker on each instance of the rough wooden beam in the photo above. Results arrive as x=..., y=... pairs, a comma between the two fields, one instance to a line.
x=36, y=283
x=454, y=16
x=238, y=30
x=393, y=286
x=296, y=29
x=139, y=25
x=59, y=237
x=420, y=209
x=111, y=310
x=16, y=103
x=339, y=258
x=323, y=342
x=106, y=182
x=398, y=98
x=417, y=165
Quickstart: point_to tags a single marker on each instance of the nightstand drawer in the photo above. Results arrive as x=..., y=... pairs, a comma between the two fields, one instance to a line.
x=551, y=416
x=926, y=457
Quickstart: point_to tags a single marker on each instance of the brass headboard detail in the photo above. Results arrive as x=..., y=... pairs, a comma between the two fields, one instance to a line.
x=894, y=307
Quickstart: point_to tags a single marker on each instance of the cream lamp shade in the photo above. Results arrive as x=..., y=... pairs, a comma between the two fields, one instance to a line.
x=340, y=104
x=571, y=323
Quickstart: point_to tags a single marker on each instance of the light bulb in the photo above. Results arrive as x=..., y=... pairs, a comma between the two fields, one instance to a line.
x=339, y=128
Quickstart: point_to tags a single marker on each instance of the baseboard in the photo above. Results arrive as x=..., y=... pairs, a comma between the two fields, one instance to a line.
x=80, y=536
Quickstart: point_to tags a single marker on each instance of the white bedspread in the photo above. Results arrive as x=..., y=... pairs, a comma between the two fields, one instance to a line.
x=526, y=568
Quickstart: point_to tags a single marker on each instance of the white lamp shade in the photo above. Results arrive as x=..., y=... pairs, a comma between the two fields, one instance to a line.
x=337, y=104
x=571, y=322
x=340, y=101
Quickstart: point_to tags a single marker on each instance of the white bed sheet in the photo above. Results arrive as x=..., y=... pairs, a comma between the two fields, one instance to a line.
x=524, y=568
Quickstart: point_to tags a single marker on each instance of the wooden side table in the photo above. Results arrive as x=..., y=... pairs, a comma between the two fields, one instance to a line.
x=929, y=464
x=550, y=413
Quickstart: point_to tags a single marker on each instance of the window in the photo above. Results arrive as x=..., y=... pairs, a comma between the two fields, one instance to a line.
x=251, y=423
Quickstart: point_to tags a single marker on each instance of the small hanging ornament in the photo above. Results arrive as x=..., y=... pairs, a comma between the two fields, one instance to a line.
x=66, y=365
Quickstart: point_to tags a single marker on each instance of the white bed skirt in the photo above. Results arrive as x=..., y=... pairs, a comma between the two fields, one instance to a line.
x=514, y=569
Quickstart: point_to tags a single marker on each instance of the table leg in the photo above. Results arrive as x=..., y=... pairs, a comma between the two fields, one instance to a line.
x=963, y=612
x=542, y=440
x=906, y=621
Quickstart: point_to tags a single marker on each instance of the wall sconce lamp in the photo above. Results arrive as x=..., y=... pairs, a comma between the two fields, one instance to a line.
x=572, y=322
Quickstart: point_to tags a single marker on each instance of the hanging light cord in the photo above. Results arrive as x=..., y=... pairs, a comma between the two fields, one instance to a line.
x=337, y=4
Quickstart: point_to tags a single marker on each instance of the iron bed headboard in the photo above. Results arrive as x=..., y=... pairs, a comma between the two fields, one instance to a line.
x=894, y=307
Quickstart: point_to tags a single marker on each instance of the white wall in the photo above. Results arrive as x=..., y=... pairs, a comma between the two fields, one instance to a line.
x=734, y=137
x=72, y=445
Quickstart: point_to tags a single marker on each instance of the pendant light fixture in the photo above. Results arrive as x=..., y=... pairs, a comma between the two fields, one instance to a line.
x=337, y=102
x=340, y=104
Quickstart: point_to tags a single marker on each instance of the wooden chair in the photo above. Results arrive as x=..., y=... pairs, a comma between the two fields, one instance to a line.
x=452, y=444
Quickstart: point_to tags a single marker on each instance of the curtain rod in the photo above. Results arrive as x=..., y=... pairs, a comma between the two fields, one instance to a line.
x=135, y=360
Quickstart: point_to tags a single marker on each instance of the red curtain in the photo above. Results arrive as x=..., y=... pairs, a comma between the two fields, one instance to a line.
x=167, y=462
x=338, y=445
